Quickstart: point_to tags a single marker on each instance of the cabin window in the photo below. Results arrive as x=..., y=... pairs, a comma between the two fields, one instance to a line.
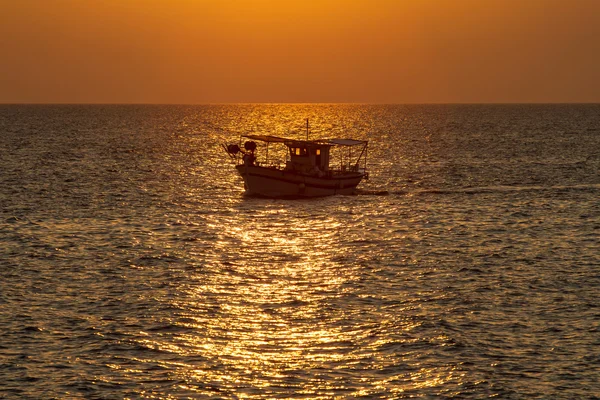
x=318, y=152
x=298, y=151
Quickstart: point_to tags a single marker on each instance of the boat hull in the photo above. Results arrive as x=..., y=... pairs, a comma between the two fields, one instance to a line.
x=271, y=182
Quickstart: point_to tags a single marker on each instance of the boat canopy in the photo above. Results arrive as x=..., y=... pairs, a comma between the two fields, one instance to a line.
x=345, y=142
x=332, y=142
x=267, y=138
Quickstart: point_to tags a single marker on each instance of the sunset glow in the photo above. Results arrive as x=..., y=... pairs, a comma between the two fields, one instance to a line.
x=383, y=51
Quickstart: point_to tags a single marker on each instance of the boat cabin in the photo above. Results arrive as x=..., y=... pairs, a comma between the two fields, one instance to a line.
x=308, y=156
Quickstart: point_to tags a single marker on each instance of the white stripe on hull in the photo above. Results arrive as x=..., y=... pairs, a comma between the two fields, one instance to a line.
x=272, y=182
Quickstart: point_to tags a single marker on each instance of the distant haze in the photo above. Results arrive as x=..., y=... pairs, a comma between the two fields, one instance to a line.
x=371, y=51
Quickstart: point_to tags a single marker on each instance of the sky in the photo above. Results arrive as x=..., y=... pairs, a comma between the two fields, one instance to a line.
x=299, y=51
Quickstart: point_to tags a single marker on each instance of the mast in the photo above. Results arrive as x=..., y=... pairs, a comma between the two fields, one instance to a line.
x=307, y=129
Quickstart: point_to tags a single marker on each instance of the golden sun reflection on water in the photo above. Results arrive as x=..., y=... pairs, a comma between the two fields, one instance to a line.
x=286, y=299
x=277, y=308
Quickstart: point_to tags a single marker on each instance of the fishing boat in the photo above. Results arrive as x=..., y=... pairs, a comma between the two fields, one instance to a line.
x=312, y=168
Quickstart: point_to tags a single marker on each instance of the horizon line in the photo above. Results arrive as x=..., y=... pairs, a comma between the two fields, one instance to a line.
x=295, y=103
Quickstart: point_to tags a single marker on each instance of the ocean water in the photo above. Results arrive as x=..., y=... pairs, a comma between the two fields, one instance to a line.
x=133, y=266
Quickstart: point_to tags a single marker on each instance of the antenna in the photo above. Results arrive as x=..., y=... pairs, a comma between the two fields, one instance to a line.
x=306, y=129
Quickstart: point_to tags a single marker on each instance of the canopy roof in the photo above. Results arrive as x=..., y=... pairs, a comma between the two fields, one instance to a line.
x=345, y=142
x=267, y=138
x=331, y=142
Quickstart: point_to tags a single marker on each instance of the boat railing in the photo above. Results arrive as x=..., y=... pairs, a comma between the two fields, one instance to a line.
x=341, y=170
x=345, y=171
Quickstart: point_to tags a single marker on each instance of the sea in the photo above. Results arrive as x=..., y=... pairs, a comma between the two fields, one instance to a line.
x=133, y=266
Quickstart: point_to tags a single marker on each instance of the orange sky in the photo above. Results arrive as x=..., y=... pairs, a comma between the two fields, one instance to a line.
x=366, y=51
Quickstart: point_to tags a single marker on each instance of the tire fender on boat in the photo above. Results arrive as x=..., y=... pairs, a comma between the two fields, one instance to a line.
x=301, y=187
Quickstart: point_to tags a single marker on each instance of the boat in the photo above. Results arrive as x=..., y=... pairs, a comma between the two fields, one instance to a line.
x=312, y=168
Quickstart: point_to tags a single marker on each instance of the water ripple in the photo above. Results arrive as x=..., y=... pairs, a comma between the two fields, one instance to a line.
x=132, y=266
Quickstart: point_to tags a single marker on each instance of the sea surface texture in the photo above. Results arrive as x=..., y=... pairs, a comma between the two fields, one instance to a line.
x=132, y=265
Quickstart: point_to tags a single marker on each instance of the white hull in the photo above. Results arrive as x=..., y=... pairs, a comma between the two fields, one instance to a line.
x=271, y=182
